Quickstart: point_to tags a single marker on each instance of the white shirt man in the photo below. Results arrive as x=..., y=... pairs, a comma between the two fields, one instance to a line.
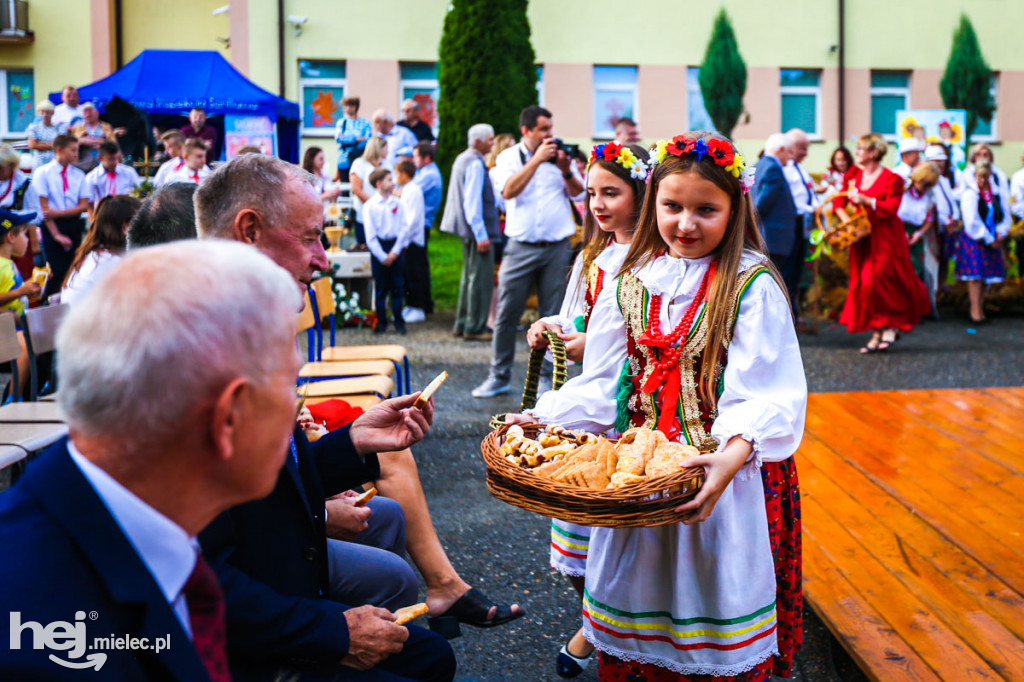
x=541, y=212
x=103, y=183
x=384, y=218
x=413, y=207
x=399, y=138
x=801, y=187
x=186, y=174
x=911, y=149
x=62, y=186
x=166, y=169
x=69, y=112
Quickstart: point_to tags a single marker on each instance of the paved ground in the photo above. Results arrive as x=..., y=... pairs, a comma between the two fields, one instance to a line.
x=505, y=551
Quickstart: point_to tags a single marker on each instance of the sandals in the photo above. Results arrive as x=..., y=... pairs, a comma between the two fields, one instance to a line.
x=570, y=666
x=471, y=609
x=868, y=349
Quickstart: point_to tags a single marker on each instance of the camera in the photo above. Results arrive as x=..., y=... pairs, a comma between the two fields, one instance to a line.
x=571, y=150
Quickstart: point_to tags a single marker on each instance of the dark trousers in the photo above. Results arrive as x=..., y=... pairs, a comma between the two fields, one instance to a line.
x=388, y=281
x=791, y=266
x=417, y=276
x=424, y=656
x=343, y=174
x=57, y=256
x=360, y=233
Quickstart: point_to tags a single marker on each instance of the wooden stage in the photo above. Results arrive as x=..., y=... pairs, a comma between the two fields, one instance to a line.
x=913, y=519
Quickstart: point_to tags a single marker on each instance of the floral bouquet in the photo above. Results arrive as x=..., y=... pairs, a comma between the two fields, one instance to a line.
x=347, y=310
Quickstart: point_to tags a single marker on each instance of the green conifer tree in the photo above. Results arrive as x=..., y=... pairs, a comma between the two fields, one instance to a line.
x=488, y=71
x=967, y=80
x=723, y=76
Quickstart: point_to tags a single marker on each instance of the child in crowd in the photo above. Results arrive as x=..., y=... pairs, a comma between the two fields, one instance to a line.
x=195, y=169
x=63, y=198
x=174, y=145
x=616, y=185
x=417, y=267
x=979, y=252
x=14, y=291
x=917, y=211
x=386, y=236
x=110, y=178
x=103, y=247
x=698, y=341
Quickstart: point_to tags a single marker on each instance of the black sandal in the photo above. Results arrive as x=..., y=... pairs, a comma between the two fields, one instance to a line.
x=471, y=609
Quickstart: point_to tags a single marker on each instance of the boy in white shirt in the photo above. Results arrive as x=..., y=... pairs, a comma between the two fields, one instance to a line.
x=417, y=268
x=387, y=235
x=109, y=178
x=63, y=198
x=174, y=145
x=195, y=169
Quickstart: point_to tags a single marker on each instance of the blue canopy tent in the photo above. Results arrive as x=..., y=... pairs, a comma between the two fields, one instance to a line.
x=175, y=81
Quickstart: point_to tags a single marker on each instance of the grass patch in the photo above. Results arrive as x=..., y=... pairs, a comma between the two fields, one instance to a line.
x=445, y=254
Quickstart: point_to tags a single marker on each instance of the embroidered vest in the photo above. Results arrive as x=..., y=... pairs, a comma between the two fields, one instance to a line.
x=638, y=409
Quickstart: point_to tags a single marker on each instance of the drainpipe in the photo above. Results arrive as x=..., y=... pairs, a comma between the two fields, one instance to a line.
x=842, y=72
x=280, y=47
x=118, y=35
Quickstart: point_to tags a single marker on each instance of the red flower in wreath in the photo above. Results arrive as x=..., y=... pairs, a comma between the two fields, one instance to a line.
x=679, y=145
x=721, y=151
x=611, y=150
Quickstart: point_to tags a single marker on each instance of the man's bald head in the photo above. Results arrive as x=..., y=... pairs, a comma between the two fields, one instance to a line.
x=801, y=143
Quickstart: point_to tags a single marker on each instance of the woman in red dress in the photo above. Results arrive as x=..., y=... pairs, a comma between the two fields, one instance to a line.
x=886, y=296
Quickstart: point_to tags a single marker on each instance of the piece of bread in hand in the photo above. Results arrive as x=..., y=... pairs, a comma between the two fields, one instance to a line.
x=408, y=613
x=428, y=392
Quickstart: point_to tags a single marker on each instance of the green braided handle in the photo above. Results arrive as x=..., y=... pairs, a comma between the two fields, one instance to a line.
x=558, y=378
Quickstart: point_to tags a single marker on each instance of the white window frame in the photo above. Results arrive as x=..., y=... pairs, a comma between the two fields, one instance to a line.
x=322, y=83
x=993, y=135
x=634, y=88
x=5, y=131
x=804, y=90
x=889, y=92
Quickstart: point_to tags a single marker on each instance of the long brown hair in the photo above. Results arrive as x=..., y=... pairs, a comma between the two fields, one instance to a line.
x=307, y=159
x=741, y=233
x=594, y=240
x=107, y=232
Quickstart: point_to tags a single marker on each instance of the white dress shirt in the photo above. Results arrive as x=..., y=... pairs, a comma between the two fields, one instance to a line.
x=100, y=184
x=165, y=170
x=186, y=174
x=801, y=187
x=415, y=209
x=541, y=212
x=31, y=201
x=399, y=137
x=1017, y=194
x=974, y=223
x=64, y=116
x=916, y=208
x=947, y=201
x=49, y=183
x=383, y=218
x=164, y=546
x=93, y=267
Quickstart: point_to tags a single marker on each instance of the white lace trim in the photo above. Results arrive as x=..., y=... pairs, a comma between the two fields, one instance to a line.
x=569, y=570
x=685, y=668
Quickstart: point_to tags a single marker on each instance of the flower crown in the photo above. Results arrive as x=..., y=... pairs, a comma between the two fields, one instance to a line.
x=623, y=156
x=720, y=151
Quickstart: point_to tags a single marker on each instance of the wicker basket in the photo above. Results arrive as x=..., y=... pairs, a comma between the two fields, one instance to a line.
x=650, y=503
x=850, y=230
x=533, y=375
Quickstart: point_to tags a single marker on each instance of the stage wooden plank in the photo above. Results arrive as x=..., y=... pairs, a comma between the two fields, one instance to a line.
x=901, y=579
x=889, y=516
x=901, y=472
x=913, y=509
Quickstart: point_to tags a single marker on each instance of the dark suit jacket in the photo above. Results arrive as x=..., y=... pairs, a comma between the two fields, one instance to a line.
x=775, y=207
x=62, y=553
x=271, y=559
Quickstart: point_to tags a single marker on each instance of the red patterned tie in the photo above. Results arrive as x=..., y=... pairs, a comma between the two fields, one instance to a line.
x=64, y=177
x=206, y=615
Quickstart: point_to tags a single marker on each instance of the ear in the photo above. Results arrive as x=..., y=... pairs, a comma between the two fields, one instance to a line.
x=228, y=412
x=248, y=227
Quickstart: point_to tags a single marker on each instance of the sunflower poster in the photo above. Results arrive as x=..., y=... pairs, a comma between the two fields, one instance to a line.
x=934, y=126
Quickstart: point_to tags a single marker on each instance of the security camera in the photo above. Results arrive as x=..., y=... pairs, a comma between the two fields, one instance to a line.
x=297, y=20
x=221, y=10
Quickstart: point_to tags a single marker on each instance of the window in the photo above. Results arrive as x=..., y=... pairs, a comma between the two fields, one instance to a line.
x=321, y=89
x=19, y=105
x=890, y=92
x=985, y=131
x=801, y=100
x=540, y=84
x=614, y=98
x=697, y=117
x=419, y=83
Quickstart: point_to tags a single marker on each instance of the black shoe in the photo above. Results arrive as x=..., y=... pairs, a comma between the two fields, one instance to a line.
x=380, y=329
x=471, y=609
x=401, y=330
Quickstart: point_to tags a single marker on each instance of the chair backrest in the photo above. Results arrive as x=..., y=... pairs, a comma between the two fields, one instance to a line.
x=10, y=349
x=41, y=338
x=323, y=290
x=308, y=323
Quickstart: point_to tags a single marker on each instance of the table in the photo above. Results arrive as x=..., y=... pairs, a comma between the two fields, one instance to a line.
x=349, y=265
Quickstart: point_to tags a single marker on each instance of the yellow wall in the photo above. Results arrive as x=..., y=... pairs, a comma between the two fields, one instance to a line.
x=172, y=25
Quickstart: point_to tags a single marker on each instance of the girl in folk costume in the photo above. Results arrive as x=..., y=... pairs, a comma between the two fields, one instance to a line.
x=918, y=213
x=616, y=181
x=979, y=250
x=699, y=343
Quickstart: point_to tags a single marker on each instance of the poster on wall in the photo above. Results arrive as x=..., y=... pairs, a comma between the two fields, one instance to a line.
x=242, y=131
x=933, y=126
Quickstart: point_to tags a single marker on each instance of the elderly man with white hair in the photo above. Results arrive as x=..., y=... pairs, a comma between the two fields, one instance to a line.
x=471, y=212
x=411, y=120
x=802, y=188
x=398, y=137
x=774, y=201
x=177, y=373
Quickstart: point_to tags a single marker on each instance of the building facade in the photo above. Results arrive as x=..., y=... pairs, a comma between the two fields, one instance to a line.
x=597, y=59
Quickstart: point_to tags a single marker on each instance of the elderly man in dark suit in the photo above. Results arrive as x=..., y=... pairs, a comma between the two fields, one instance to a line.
x=177, y=375
x=774, y=201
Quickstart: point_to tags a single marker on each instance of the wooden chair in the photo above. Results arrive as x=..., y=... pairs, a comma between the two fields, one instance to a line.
x=10, y=351
x=375, y=385
x=323, y=306
x=40, y=325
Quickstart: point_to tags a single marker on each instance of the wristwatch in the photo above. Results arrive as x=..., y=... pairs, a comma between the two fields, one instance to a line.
x=567, y=174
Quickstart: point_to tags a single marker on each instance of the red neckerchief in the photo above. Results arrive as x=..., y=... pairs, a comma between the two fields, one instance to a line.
x=112, y=177
x=666, y=374
x=181, y=162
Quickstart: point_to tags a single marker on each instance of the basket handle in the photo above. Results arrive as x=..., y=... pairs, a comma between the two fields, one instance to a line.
x=534, y=367
x=821, y=209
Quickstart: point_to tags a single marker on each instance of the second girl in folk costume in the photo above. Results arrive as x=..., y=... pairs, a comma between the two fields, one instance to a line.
x=699, y=343
x=616, y=180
